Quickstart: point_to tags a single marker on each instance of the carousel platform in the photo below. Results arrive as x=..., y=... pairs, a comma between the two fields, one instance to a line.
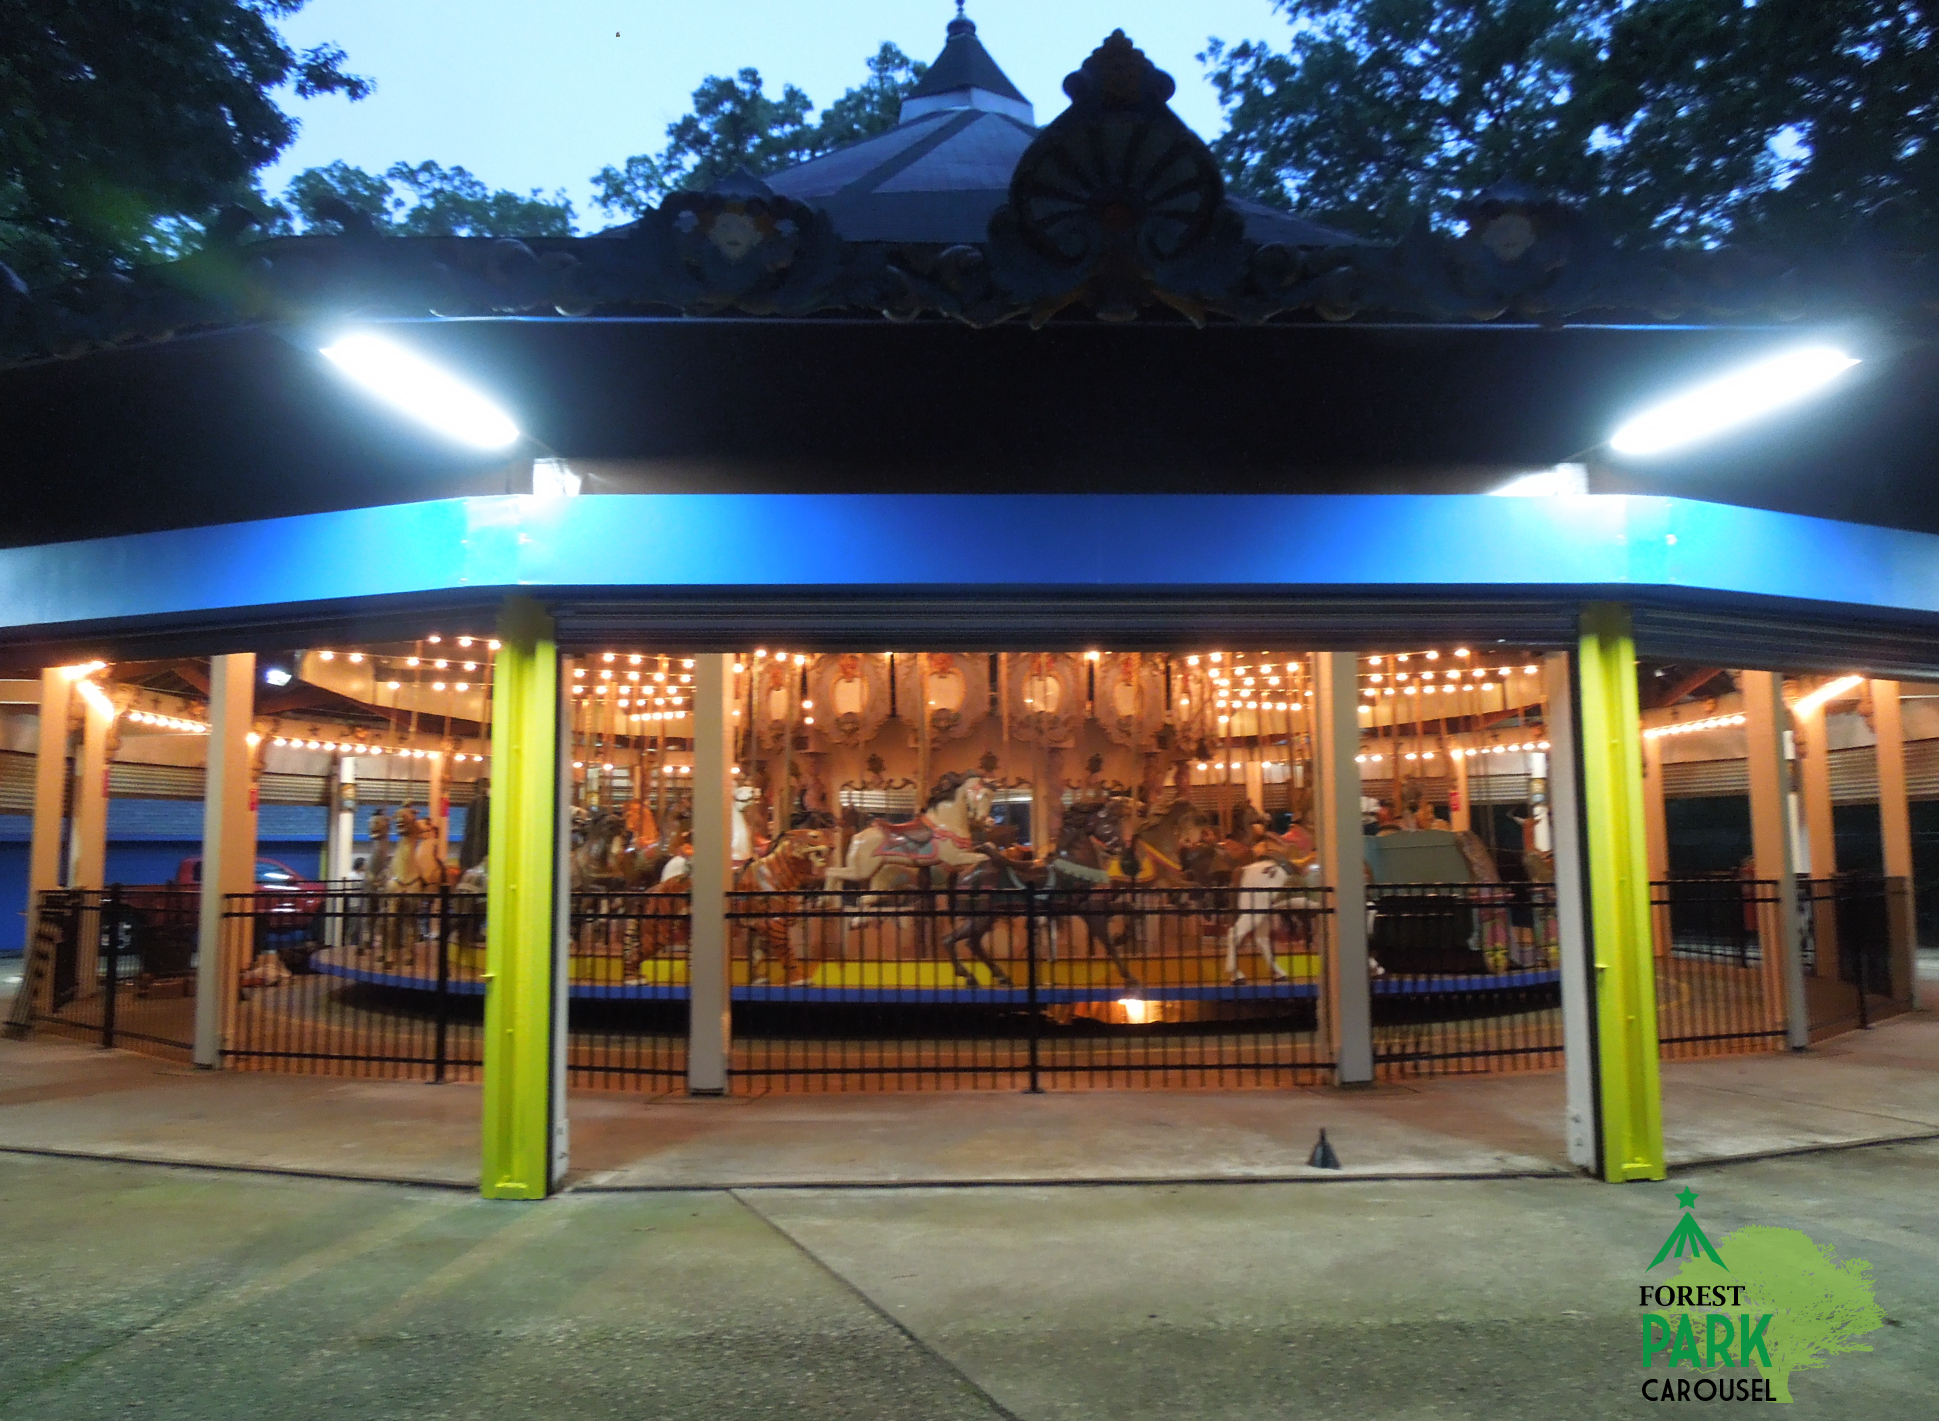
x=918, y=981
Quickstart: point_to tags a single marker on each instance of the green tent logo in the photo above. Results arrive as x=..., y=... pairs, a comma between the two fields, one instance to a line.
x=1686, y=1237
x=1782, y=1305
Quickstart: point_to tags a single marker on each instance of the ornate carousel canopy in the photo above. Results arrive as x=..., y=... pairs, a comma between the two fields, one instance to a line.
x=1114, y=211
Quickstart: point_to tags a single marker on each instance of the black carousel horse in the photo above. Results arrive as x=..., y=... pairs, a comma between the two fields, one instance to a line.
x=1091, y=835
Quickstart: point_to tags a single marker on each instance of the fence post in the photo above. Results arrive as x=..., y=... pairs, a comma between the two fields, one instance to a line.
x=108, y=927
x=1030, y=963
x=444, y=981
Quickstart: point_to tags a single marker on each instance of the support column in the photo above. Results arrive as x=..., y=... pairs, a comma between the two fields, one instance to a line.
x=1336, y=727
x=1771, y=845
x=710, y=1027
x=521, y=917
x=88, y=842
x=228, y=854
x=1581, y=1124
x=436, y=804
x=1656, y=824
x=1895, y=834
x=1821, y=842
x=341, y=847
x=1460, y=812
x=50, y=792
x=1894, y=810
x=1619, y=907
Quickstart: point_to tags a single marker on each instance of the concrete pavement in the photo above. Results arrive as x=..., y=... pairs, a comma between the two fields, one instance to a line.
x=131, y=1290
x=65, y=1098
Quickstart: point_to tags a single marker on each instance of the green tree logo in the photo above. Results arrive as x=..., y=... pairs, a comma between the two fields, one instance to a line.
x=1820, y=1306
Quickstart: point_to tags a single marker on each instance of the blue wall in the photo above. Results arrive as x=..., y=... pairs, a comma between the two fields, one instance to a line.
x=149, y=838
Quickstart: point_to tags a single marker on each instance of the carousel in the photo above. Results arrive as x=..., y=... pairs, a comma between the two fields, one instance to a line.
x=1129, y=836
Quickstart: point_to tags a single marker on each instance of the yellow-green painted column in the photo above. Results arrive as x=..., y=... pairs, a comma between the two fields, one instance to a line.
x=1619, y=896
x=520, y=917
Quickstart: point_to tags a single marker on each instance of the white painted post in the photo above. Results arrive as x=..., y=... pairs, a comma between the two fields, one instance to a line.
x=434, y=804
x=710, y=1029
x=50, y=790
x=1343, y=861
x=228, y=852
x=1461, y=812
x=1821, y=842
x=1772, y=848
x=1580, y=1126
x=88, y=840
x=341, y=847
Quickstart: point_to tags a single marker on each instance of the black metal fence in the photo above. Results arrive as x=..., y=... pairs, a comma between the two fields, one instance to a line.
x=1467, y=977
x=1858, y=938
x=116, y=967
x=1025, y=988
x=1719, y=983
x=345, y=981
x=627, y=1016
x=1028, y=988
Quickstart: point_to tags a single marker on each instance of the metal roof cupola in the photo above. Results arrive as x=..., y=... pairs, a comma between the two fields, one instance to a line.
x=965, y=77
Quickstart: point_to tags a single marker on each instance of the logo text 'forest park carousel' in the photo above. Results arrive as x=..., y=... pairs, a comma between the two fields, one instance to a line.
x=1781, y=1304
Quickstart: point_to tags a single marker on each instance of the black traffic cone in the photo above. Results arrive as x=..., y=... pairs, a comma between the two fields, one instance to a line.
x=1323, y=1156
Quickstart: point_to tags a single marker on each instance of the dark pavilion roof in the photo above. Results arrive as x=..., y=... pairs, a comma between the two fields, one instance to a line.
x=1113, y=211
x=940, y=174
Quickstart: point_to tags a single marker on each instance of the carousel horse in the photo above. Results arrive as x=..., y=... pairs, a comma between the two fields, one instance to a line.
x=1267, y=888
x=416, y=869
x=1091, y=834
x=940, y=836
x=796, y=861
x=1157, y=853
x=375, y=873
x=747, y=842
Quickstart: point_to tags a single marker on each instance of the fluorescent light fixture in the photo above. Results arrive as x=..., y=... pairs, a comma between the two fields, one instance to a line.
x=1830, y=691
x=1734, y=399
x=277, y=675
x=1546, y=483
x=422, y=390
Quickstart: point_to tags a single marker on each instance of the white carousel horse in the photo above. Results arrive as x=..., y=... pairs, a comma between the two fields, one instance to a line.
x=939, y=836
x=1266, y=890
x=747, y=801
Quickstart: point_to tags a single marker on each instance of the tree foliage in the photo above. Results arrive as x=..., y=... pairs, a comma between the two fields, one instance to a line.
x=1686, y=121
x=735, y=123
x=126, y=122
x=425, y=200
x=1820, y=1306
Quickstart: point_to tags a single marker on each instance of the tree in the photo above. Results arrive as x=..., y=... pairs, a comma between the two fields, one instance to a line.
x=873, y=106
x=735, y=123
x=435, y=202
x=1820, y=1307
x=1686, y=121
x=127, y=123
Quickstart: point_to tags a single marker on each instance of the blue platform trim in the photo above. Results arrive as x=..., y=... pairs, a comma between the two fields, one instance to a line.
x=1073, y=543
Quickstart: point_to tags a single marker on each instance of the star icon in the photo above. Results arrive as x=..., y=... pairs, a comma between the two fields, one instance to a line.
x=1687, y=1197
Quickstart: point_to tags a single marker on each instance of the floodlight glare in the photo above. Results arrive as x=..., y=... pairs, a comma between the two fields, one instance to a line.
x=1734, y=399
x=419, y=388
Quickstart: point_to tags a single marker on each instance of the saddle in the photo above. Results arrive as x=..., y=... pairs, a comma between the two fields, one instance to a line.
x=915, y=831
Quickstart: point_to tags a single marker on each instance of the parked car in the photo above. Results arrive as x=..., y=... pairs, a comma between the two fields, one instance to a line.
x=160, y=921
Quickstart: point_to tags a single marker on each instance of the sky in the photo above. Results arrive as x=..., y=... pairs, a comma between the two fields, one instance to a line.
x=543, y=93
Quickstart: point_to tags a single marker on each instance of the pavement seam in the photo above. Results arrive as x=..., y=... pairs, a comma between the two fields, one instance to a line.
x=1751, y=1093
x=1784, y=1152
x=1066, y=1181
x=866, y=1301
x=223, y=1167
